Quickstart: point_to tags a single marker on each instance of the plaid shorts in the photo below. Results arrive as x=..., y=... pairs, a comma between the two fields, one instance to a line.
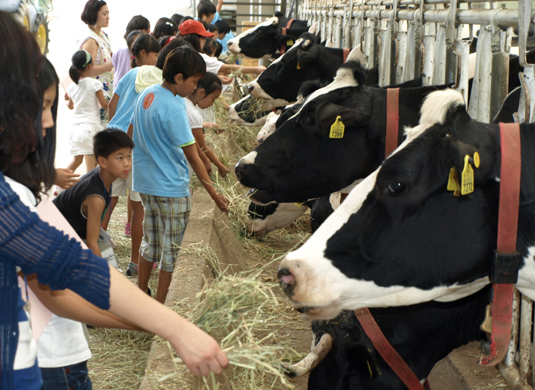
x=163, y=229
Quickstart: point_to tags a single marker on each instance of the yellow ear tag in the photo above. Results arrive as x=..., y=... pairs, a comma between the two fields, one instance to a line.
x=289, y=42
x=453, y=183
x=337, y=128
x=298, y=65
x=476, y=160
x=299, y=204
x=467, y=182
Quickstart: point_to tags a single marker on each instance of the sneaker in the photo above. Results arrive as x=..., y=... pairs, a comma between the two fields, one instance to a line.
x=127, y=229
x=132, y=269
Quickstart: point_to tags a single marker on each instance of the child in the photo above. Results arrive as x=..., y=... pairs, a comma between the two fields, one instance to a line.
x=210, y=47
x=164, y=142
x=208, y=89
x=192, y=31
x=121, y=58
x=85, y=94
x=85, y=204
x=224, y=33
x=164, y=26
x=207, y=11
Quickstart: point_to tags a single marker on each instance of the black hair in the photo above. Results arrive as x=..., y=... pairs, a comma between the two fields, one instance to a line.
x=110, y=140
x=184, y=60
x=184, y=19
x=219, y=48
x=173, y=44
x=177, y=18
x=210, y=47
x=79, y=64
x=222, y=26
x=164, y=26
x=144, y=42
x=131, y=38
x=137, y=22
x=90, y=13
x=211, y=28
x=204, y=24
x=210, y=83
x=194, y=40
x=205, y=7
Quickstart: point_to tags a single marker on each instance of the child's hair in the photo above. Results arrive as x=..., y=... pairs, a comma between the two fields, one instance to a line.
x=90, y=13
x=184, y=19
x=210, y=83
x=194, y=40
x=183, y=60
x=137, y=22
x=222, y=26
x=173, y=44
x=131, y=38
x=177, y=18
x=211, y=27
x=204, y=24
x=110, y=140
x=144, y=42
x=164, y=26
x=80, y=60
x=205, y=7
x=219, y=48
x=209, y=47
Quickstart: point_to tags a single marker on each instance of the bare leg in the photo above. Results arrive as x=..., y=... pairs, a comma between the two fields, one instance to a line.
x=136, y=230
x=75, y=163
x=90, y=162
x=106, y=220
x=144, y=270
x=164, y=280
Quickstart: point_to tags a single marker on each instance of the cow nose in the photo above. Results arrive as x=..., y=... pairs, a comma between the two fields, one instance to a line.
x=229, y=43
x=251, y=88
x=287, y=281
x=240, y=170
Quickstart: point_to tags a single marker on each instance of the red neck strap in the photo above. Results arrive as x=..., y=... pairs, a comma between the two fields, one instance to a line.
x=346, y=54
x=392, y=120
x=389, y=354
x=288, y=25
x=502, y=305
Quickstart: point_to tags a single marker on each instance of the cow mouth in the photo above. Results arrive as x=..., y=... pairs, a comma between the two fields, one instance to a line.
x=262, y=197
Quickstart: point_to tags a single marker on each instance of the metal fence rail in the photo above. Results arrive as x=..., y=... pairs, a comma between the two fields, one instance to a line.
x=431, y=39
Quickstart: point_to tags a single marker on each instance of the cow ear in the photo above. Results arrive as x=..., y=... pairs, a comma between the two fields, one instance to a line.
x=312, y=29
x=285, y=40
x=334, y=118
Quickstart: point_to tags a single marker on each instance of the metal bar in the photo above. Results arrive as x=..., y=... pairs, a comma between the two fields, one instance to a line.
x=504, y=17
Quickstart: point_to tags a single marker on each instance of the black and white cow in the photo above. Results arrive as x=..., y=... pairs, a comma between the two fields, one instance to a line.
x=300, y=161
x=422, y=334
x=267, y=38
x=401, y=238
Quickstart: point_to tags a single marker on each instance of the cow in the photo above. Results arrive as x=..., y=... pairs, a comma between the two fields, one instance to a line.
x=400, y=238
x=268, y=38
x=422, y=334
x=300, y=161
x=248, y=111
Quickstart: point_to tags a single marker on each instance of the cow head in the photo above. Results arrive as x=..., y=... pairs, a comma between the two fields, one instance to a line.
x=248, y=111
x=401, y=237
x=281, y=80
x=263, y=39
x=282, y=164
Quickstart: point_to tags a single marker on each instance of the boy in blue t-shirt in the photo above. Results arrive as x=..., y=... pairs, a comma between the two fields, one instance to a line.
x=164, y=141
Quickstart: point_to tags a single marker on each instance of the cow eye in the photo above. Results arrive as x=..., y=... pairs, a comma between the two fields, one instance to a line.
x=396, y=187
x=311, y=120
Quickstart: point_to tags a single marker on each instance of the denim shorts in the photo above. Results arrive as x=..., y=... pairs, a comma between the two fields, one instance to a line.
x=70, y=377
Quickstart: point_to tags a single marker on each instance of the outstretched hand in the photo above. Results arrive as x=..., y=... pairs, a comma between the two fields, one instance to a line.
x=66, y=178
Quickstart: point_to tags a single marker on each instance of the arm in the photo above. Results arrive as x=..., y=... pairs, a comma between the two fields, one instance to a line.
x=93, y=207
x=112, y=106
x=102, y=100
x=219, y=6
x=205, y=160
x=91, y=46
x=226, y=69
x=199, y=139
x=191, y=154
x=66, y=178
x=70, y=103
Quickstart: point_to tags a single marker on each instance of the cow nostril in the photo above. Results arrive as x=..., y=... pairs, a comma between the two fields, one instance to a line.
x=240, y=170
x=285, y=276
x=251, y=88
x=229, y=43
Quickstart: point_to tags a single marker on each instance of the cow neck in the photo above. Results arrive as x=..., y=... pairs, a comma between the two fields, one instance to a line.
x=387, y=352
x=392, y=120
x=505, y=269
x=288, y=25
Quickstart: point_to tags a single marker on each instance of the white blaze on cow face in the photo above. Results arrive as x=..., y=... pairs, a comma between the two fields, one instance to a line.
x=234, y=44
x=249, y=159
x=268, y=129
x=322, y=286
